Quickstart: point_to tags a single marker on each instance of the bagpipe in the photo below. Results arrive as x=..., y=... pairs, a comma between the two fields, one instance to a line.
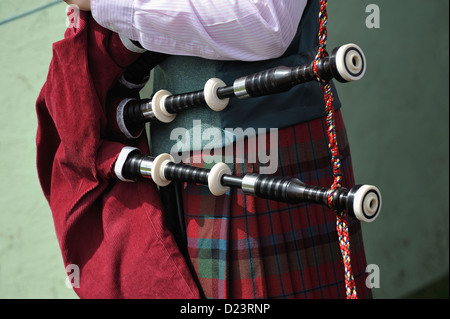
x=345, y=64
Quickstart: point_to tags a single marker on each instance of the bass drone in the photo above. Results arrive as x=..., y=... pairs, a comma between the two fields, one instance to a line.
x=362, y=202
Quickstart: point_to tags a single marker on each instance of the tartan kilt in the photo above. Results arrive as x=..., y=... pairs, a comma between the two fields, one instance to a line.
x=243, y=247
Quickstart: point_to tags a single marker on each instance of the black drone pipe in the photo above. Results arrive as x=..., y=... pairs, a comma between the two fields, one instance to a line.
x=362, y=202
x=346, y=63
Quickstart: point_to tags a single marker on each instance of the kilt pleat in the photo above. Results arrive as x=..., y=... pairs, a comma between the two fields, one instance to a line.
x=245, y=247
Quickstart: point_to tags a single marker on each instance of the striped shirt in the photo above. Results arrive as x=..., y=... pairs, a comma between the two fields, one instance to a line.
x=246, y=30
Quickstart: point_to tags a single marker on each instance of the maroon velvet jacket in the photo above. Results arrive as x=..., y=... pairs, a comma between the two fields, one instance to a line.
x=113, y=231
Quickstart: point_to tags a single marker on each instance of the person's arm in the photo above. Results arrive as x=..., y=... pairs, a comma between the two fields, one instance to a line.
x=246, y=30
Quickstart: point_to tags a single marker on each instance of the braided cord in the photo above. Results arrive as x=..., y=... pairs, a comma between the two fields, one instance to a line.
x=341, y=219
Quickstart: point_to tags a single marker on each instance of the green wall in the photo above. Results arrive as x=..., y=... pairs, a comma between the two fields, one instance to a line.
x=397, y=121
x=30, y=261
x=398, y=124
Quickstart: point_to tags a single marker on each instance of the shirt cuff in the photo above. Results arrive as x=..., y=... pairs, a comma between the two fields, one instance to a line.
x=116, y=15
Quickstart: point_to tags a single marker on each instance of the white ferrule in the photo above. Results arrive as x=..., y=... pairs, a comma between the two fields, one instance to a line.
x=350, y=62
x=120, y=162
x=210, y=93
x=159, y=163
x=214, y=177
x=367, y=203
x=121, y=121
x=158, y=108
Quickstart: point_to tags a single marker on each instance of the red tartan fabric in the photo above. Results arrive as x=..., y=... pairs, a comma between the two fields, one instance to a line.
x=247, y=247
x=113, y=231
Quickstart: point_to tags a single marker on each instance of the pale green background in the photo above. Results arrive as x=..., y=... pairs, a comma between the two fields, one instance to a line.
x=397, y=119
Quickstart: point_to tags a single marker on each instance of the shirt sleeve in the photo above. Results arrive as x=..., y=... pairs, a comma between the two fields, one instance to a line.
x=246, y=30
